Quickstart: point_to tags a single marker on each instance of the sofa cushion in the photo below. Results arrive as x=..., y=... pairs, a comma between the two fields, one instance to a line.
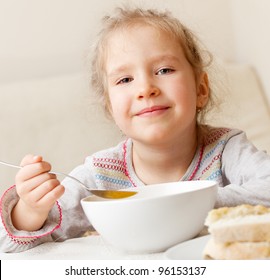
x=57, y=118
x=244, y=105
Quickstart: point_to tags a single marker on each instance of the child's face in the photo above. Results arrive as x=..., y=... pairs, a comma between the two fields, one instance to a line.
x=151, y=86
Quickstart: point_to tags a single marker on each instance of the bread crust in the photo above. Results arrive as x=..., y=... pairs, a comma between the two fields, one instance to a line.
x=236, y=250
x=225, y=213
x=241, y=223
x=238, y=233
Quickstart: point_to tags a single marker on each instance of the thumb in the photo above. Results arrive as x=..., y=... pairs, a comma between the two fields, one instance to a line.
x=29, y=159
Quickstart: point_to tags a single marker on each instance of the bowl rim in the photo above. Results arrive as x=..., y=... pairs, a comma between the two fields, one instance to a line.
x=133, y=199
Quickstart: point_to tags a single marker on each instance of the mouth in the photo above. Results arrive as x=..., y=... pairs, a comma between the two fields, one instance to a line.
x=154, y=110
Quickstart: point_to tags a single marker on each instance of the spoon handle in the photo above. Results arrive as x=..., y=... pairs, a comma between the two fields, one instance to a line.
x=51, y=172
x=109, y=194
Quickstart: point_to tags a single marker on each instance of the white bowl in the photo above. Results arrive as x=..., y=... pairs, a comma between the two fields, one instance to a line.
x=158, y=217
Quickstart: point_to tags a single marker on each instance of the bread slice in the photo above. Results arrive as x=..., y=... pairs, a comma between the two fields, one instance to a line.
x=243, y=223
x=236, y=250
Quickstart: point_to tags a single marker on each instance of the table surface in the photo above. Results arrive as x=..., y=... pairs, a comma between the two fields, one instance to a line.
x=91, y=247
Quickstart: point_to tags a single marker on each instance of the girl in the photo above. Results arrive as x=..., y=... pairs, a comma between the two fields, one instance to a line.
x=150, y=74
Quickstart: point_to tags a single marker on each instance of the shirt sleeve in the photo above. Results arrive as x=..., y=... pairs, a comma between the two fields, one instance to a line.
x=13, y=240
x=246, y=174
x=66, y=219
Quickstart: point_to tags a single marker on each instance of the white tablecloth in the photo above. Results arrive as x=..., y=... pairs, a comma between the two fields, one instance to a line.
x=84, y=248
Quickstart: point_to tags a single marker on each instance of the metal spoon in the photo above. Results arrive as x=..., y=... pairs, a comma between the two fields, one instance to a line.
x=110, y=194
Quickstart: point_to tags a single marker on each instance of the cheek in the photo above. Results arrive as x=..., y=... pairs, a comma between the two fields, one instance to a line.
x=185, y=95
x=185, y=102
x=115, y=102
x=118, y=106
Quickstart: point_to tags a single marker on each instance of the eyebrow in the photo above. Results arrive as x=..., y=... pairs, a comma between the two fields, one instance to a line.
x=165, y=57
x=153, y=60
x=117, y=70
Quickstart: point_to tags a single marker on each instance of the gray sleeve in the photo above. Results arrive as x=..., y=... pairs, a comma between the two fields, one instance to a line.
x=74, y=222
x=66, y=219
x=246, y=174
x=13, y=240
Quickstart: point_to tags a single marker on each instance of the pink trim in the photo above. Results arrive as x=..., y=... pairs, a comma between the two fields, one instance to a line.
x=1, y=203
x=116, y=165
x=118, y=161
x=14, y=237
x=217, y=157
x=191, y=177
x=125, y=164
x=215, y=135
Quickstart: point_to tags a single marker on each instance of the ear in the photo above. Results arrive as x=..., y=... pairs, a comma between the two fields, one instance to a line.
x=202, y=90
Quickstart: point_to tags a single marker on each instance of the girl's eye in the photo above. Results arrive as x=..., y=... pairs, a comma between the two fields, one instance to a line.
x=164, y=71
x=124, y=81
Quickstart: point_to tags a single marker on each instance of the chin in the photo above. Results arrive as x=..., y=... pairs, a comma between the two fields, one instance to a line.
x=153, y=139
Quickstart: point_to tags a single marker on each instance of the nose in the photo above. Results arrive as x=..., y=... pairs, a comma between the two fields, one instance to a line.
x=147, y=89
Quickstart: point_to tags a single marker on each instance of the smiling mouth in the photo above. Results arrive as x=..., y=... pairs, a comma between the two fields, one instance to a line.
x=152, y=110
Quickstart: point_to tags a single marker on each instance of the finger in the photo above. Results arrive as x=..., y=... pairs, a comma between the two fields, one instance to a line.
x=51, y=197
x=28, y=159
x=25, y=187
x=32, y=170
x=38, y=193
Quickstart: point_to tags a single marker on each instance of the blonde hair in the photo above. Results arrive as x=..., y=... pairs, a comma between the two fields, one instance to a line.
x=123, y=18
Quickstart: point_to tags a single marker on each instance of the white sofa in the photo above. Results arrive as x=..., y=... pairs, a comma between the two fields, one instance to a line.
x=59, y=118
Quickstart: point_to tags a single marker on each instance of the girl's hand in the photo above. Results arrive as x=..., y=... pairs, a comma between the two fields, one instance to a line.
x=38, y=191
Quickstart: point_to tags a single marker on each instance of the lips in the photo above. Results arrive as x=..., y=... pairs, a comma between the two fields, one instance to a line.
x=152, y=110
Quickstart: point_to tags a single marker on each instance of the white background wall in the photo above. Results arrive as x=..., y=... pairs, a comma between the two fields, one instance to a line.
x=47, y=37
x=251, y=22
